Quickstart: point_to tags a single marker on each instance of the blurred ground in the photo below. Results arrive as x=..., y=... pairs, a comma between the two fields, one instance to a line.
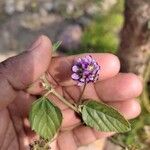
x=21, y=21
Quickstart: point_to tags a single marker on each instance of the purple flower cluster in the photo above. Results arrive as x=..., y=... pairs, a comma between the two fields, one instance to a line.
x=85, y=70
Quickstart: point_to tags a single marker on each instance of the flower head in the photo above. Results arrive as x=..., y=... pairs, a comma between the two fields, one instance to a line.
x=85, y=70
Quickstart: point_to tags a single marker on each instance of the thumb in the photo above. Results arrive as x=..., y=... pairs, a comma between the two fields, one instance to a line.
x=18, y=72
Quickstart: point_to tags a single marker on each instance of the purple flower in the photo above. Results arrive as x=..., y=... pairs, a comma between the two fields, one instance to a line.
x=85, y=70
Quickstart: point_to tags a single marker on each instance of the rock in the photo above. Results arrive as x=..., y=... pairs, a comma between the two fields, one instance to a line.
x=70, y=7
x=22, y=28
x=36, y=21
x=43, y=12
x=92, y=9
x=48, y=6
x=20, y=6
x=9, y=7
x=107, y=4
x=70, y=37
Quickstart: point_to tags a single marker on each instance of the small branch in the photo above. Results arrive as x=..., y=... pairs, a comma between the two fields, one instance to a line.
x=45, y=83
x=64, y=101
x=80, y=98
x=47, y=93
x=63, y=89
x=52, y=90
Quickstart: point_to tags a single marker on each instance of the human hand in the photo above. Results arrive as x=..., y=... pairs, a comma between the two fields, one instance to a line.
x=19, y=72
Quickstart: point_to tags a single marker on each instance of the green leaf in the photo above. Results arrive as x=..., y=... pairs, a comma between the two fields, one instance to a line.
x=56, y=45
x=45, y=118
x=103, y=117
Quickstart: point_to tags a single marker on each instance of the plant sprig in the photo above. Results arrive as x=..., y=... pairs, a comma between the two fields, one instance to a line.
x=46, y=118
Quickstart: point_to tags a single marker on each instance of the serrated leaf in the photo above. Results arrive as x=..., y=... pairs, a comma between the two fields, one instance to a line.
x=45, y=118
x=103, y=117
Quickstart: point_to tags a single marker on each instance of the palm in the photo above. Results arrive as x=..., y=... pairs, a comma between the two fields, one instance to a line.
x=12, y=131
x=115, y=89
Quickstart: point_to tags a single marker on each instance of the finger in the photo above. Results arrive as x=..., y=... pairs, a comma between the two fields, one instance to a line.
x=60, y=68
x=66, y=141
x=22, y=103
x=70, y=119
x=120, y=87
x=54, y=145
x=85, y=135
x=25, y=68
x=129, y=108
x=20, y=71
x=74, y=92
x=9, y=139
x=78, y=137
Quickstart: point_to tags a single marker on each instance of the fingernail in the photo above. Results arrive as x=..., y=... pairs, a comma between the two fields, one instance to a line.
x=36, y=43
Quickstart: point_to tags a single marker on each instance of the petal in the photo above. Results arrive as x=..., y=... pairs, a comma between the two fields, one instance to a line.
x=91, y=78
x=75, y=76
x=75, y=68
x=82, y=80
x=79, y=60
x=89, y=58
x=86, y=72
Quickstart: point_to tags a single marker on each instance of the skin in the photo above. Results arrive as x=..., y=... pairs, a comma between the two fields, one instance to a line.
x=20, y=84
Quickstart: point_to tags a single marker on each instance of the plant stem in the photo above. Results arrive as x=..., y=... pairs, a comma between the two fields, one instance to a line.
x=64, y=101
x=47, y=93
x=80, y=98
x=52, y=90
x=63, y=89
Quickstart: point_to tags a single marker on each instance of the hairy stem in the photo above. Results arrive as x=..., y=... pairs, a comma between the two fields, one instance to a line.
x=64, y=101
x=80, y=98
x=50, y=89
